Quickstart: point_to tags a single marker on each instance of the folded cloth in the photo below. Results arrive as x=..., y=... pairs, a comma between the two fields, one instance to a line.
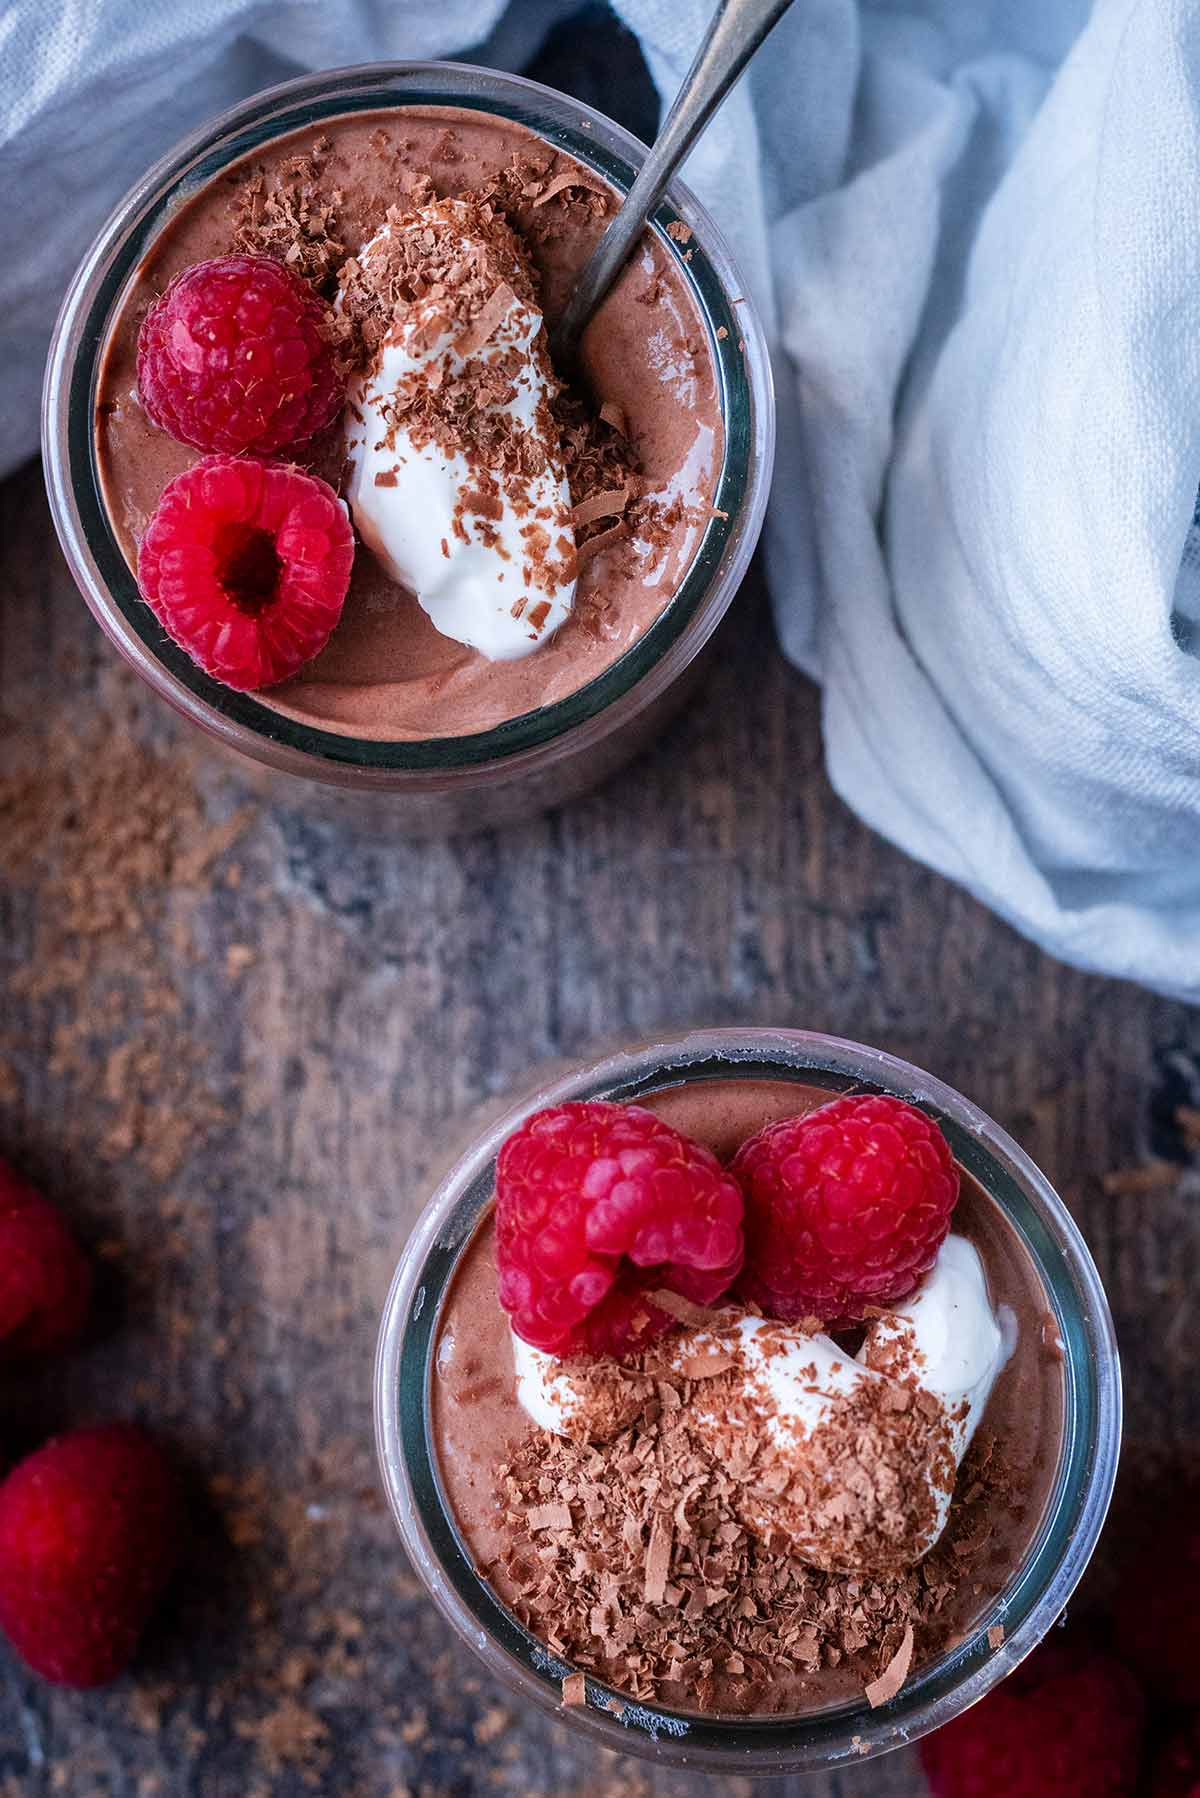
x=974, y=233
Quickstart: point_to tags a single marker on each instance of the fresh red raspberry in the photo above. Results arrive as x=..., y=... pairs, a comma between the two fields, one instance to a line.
x=1176, y=1771
x=232, y=357
x=598, y=1205
x=845, y=1208
x=90, y=1528
x=45, y=1281
x=246, y=565
x=1066, y=1724
x=1157, y=1606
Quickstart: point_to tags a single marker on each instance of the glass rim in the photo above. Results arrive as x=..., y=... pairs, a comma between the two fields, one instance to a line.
x=1028, y=1605
x=718, y=564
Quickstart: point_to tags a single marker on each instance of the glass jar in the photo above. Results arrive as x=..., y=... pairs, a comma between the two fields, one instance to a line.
x=529, y=762
x=1038, y=1589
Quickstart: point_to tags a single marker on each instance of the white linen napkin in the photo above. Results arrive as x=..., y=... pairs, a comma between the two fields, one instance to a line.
x=974, y=229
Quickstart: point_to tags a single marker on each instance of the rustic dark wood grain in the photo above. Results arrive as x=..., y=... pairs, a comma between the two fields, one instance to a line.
x=299, y=1018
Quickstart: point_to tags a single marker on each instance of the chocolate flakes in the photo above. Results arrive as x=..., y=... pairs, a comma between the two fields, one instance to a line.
x=651, y=1580
x=882, y=1690
x=294, y=216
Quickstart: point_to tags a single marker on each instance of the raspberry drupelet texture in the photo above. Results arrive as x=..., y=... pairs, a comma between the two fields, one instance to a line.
x=846, y=1208
x=597, y=1206
x=246, y=565
x=233, y=357
x=45, y=1279
x=90, y=1527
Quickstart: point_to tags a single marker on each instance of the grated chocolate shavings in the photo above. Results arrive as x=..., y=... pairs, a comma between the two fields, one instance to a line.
x=594, y=546
x=661, y=1586
x=564, y=183
x=484, y=326
x=292, y=215
x=574, y=1689
x=609, y=503
x=884, y=1689
x=614, y=416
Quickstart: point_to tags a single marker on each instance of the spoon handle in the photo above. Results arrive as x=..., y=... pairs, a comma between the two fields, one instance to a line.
x=738, y=27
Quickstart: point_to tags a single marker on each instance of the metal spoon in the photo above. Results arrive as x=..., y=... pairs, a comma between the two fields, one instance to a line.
x=737, y=29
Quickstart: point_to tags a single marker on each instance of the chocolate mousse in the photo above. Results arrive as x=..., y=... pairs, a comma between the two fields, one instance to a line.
x=751, y=1516
x=440, y=239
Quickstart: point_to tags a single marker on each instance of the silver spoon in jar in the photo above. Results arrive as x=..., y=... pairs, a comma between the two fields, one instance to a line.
x=738, y=28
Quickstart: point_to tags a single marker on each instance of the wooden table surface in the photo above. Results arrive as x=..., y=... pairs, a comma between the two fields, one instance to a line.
x=232, y=1044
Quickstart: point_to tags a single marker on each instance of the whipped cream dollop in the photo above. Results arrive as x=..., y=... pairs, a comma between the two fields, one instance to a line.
x=485, y=541
x=947, y=1338
x=850, y=1459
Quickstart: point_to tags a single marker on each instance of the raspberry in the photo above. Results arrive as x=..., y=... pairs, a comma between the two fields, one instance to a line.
x=246, y=565
x=845, y=1208
x=89, y=1535
x=598, y=1205
x=1157, y=1606
x=232, y=357
x=45, y=1282
x=1066, y=1724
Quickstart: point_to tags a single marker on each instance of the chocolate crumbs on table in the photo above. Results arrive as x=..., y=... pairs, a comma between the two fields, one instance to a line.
x=119, y=884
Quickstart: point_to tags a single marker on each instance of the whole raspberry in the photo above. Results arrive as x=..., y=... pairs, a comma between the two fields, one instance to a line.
x=597, y=1206
x=1176, y=1771
x=1066, y=1724
x=1157, y=1606
x=90, y=1527
x=246, y=565
x=233, y=356
x=45, y=1281
x=845, y=1208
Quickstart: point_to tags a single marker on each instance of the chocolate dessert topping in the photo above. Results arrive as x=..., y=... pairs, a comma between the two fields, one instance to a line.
x=665, y=1562
x=574, y=1689
x=880, y=1690
x=463, y=262
x=857, y=1491
x=451, y=257
x=293, y=218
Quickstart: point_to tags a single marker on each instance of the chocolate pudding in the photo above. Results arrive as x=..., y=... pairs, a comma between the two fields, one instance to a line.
x=641, y=454
x=723, y=1624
